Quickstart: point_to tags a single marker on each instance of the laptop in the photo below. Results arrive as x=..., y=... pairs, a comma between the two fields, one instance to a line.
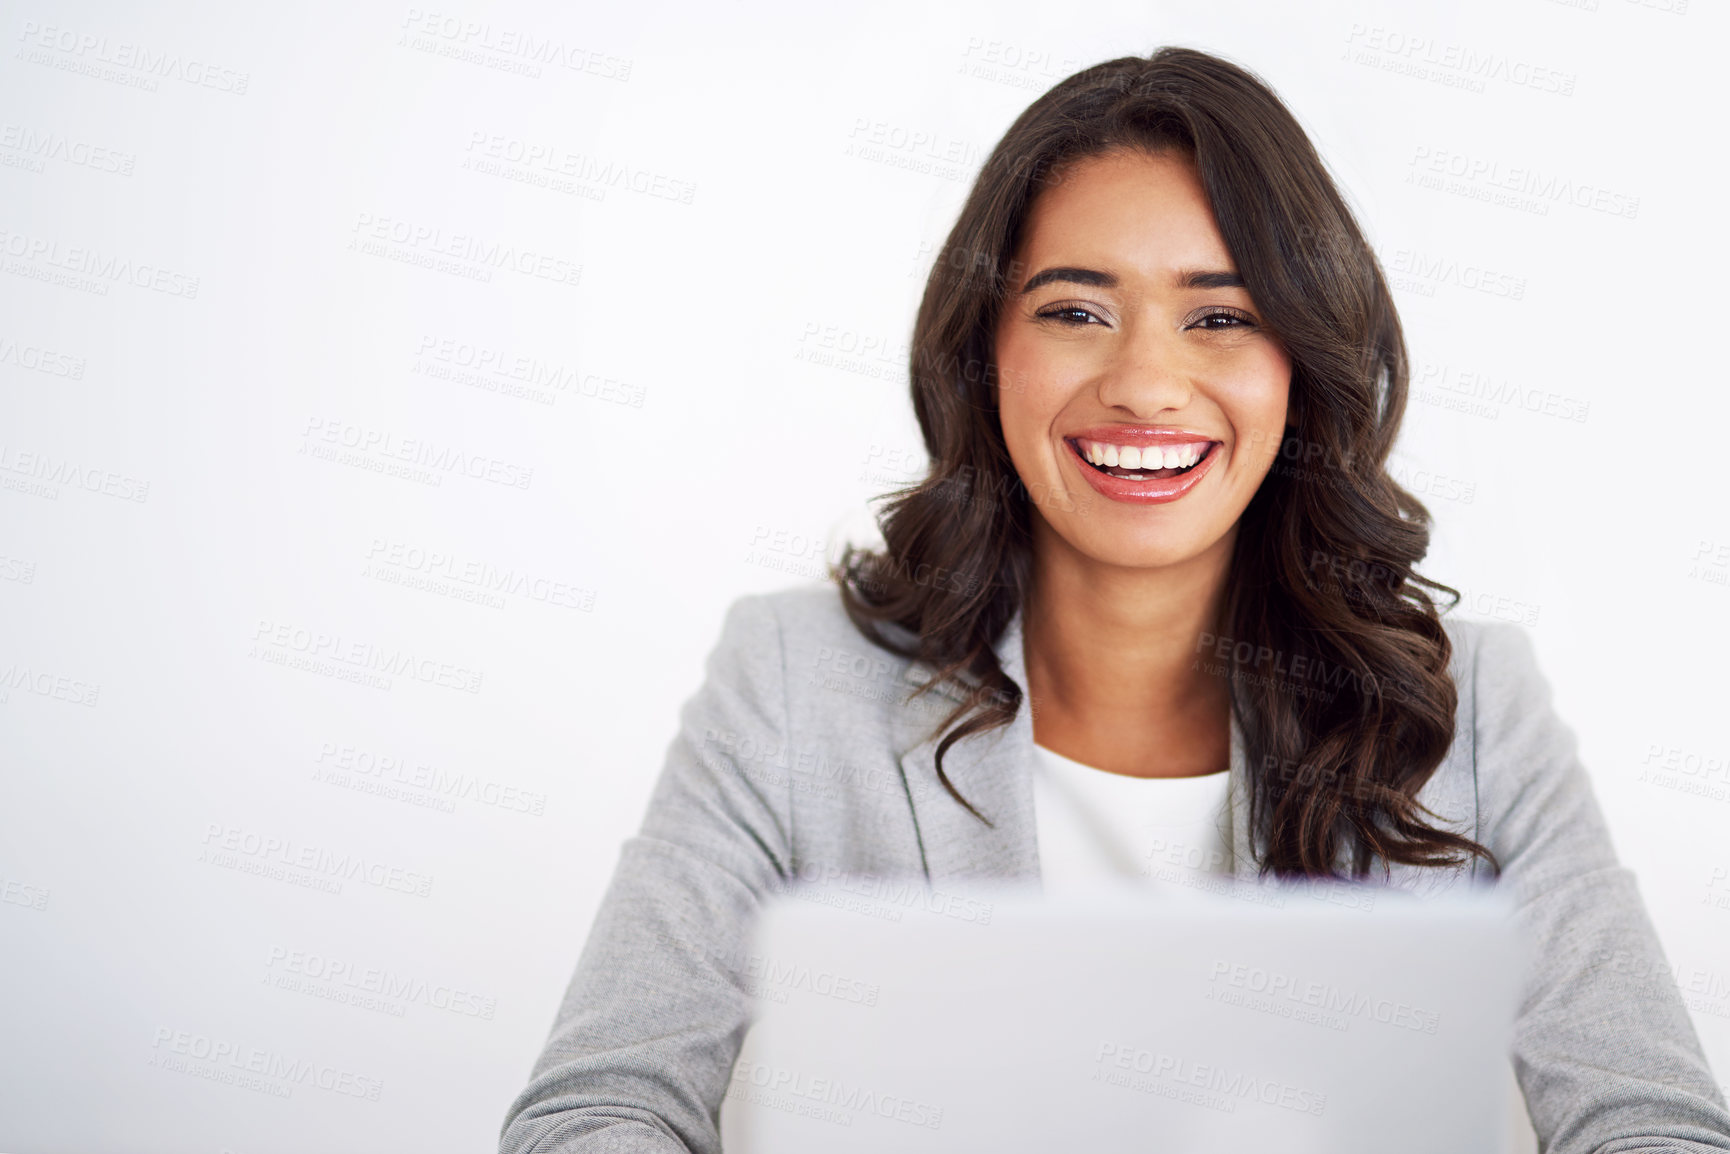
x=1288, y=1017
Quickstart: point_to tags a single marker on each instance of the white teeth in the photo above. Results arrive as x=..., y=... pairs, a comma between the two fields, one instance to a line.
x=1149, y=457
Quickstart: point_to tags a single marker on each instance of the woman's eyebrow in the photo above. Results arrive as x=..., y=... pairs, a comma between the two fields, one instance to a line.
x=1208, y=278
x=1189, y=278
x=1086, y=276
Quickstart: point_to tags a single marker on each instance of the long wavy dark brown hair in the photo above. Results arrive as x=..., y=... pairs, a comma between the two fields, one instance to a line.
x=1332, y=644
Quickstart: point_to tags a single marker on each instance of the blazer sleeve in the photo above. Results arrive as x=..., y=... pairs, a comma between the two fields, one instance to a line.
x=1604, y=1049
x=643, y=1046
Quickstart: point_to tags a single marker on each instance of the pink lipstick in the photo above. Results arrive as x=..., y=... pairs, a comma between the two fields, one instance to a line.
x=1119, y=461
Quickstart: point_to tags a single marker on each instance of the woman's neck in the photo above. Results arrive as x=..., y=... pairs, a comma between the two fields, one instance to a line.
x=1112, y=661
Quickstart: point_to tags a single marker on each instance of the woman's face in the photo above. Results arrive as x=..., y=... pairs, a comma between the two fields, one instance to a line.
x=1127, y=341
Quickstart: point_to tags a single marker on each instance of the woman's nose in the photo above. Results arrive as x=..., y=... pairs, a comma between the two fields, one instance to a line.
x=1148, y=372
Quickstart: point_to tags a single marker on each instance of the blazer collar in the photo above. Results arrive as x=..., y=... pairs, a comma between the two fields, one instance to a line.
x=994, y=771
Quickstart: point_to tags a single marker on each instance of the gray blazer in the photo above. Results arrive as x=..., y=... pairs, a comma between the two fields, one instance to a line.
x=801, y=757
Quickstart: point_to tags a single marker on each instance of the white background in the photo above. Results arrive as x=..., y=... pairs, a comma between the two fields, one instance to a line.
x=195, y=298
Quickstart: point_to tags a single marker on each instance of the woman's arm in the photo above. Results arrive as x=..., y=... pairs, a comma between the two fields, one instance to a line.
x=643, y=1046
x=1604, y=1049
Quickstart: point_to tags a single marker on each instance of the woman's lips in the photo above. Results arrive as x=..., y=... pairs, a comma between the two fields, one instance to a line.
x=1153, y=490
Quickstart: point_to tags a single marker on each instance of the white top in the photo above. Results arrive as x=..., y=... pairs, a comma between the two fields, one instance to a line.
x=1094, y=826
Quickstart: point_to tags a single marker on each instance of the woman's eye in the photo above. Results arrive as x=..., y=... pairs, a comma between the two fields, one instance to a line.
x=1068, y=314
x=1234, y=320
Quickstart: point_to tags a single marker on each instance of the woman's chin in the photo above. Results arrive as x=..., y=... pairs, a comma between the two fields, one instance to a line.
x=1161, y=553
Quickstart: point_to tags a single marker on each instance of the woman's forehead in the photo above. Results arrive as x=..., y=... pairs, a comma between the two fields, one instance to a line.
x=1137, y=216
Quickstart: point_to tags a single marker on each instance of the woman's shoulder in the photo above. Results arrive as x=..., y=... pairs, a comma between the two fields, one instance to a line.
x=1494, y=666
x=806, y=630
x=810, y=608
x=808, y=615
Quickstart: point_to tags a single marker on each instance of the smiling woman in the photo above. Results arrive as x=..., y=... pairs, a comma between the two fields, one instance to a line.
x=1158, y=372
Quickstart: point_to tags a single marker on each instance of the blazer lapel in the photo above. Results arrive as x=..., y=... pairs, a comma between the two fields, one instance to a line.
x=1243, y=864
x=993, y=771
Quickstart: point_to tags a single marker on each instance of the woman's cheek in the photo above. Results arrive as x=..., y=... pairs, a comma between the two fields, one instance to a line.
x=1255, y=404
